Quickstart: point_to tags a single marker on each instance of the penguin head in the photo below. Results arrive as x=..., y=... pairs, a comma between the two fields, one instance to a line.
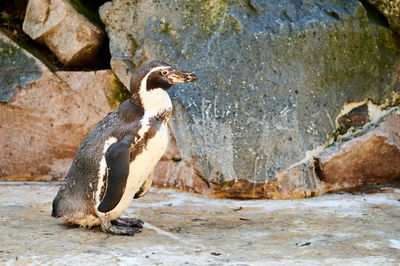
x=158, y=75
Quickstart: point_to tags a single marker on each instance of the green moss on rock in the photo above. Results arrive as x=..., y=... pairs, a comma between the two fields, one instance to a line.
x=207, y=14
x=116, y=92
x=88, y=9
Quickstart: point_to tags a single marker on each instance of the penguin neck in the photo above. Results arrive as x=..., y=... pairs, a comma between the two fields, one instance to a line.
x=155, y=104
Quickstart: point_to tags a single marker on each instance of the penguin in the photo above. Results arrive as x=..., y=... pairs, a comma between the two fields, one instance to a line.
x=115, y=162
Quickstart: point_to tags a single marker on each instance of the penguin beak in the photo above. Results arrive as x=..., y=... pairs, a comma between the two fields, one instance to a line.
x=180, y=76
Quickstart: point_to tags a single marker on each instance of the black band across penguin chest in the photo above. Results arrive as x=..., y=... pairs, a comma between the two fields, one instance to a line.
x=154, y=125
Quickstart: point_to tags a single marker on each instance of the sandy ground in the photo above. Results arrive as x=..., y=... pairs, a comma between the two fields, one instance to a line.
x=185, y=229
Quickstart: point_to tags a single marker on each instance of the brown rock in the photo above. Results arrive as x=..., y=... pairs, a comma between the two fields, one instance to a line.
x=369, y=156
x=373, y=157
x=391, y=10
x=44, y=123
x=357, y=117
x=44, y=116
x=68, y=34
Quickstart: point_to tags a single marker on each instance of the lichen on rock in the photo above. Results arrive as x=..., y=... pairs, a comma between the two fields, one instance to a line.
x=115, y=91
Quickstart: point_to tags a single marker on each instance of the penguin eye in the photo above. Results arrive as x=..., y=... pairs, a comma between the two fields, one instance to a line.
x=164, y=72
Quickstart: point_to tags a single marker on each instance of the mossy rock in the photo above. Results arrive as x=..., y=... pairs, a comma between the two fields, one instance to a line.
x=116, y=92
x=273, y=75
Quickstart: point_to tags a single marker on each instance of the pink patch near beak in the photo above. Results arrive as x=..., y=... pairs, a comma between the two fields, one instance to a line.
x=175, y=78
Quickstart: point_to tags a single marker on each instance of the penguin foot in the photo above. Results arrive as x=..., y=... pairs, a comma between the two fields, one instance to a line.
x=128, y=222
x=122, y=230
x=121, y=226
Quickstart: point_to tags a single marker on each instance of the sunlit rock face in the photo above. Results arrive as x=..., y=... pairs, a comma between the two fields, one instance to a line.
x=273, y=77
x=74, y=39
x=45, y=115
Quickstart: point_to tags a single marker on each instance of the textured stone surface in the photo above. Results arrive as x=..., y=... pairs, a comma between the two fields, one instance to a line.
x=47, y=116
x=182, y=229
x=355, y=118
x=373, y=157
x=17, y=68
x=68, y=34
x=369, y=156
x=273, y=76
x=391, y=10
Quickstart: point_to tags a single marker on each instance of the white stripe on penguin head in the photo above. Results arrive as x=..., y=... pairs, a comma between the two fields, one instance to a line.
x=156, y=100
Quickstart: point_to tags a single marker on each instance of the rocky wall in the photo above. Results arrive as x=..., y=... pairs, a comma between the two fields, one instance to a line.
x=294, y=98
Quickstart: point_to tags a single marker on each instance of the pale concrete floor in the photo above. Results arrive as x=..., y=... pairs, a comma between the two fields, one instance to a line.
x=194, y=230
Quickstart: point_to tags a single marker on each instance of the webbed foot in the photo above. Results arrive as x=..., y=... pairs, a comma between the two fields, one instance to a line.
x=122, y=230
x=128, y=222
x=122, y=226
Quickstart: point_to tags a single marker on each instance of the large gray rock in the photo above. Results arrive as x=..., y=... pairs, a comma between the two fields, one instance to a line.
x=273, y=75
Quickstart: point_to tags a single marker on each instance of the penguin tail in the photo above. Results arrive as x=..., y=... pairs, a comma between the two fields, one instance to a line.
x=55, y=214
x=55, y=211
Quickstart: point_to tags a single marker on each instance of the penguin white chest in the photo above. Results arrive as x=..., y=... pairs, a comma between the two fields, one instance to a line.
x=141, y=167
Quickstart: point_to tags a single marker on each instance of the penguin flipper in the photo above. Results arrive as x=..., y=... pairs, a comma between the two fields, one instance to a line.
x=117, y=158
x=145, y=187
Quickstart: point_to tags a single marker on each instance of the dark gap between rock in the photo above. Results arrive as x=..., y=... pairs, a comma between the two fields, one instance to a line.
x=374, y=15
